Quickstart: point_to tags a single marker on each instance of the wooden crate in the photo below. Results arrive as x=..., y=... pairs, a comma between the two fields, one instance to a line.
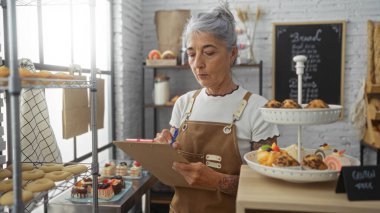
x=161, y=62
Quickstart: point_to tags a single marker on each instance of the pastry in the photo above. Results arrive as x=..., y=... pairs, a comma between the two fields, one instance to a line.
x=312, y=161
x=292, y=150
x=290, y=104
x=40, y=185
x=109, y=169
x=267, y=154
x=24, y=167
x=317, y=103
x=32, y=174
x=323, y=150
x=122, y=169
x=58, y=175
x=285, y=161
x=273, y=104
x=51, y=167
x=337, y=160
x=168, y=54
x=5, y=173
x=7, y=198
x=154, y=54
x=79, y=190
x=4, y=72
x=7, y=185
x=75, y=169
x=136, y=169
x=105, y=191
x=24, y=73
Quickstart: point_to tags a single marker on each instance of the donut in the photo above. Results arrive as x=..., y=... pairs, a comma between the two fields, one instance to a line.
x=75, y=169
x=7, y=185
x=40, y=185
x=51, y=167
x=24, y=167
x=58, y=175
x=32, y=174
x=290, y=104
x=273, y=104
x=7, y=198
x=5, y=173
x=317, y=103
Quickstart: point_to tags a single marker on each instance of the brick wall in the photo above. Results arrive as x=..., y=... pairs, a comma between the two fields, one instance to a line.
x=341, y=134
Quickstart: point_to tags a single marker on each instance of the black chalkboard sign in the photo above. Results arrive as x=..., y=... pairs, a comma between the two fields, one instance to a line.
x=360, y=182
x=323, y=44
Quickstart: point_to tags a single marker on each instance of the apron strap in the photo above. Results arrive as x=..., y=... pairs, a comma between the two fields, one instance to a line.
x=238, y=113
x=191, y=104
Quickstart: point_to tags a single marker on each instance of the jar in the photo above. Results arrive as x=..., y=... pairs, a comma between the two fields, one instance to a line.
x=161, y=91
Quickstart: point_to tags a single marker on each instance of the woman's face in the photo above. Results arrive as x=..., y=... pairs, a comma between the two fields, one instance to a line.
x=210, y=60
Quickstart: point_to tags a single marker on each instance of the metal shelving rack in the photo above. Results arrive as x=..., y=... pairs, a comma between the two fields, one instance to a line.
x=14, y=86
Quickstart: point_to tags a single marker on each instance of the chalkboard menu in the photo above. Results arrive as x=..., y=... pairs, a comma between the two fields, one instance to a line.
x=323, y=44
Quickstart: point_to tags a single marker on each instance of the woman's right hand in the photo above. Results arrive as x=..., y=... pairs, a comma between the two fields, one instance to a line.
x=165, y=136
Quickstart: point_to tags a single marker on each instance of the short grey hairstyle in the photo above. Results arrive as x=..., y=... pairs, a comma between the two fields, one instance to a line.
x=219, y=21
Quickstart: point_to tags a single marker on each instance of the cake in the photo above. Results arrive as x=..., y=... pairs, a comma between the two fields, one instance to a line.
x=109, y=169
x=266, y=154
x=79, y=190
x=337, y=160
x=117, y=186
x=312, y=161
x=136, y=169
x=323, y=150
x=292, y=150
x=122, y=169
x=285, y=160
x=105, y=191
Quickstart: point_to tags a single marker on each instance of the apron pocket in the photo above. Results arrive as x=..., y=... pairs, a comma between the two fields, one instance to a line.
x=193, y=157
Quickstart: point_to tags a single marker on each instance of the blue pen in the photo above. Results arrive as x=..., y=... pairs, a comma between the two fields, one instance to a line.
x=174, y=136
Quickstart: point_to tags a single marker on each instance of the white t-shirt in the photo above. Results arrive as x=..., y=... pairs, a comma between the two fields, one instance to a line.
x=250, y=127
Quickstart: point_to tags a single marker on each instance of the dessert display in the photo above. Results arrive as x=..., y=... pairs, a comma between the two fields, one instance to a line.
x=312, y=161
x=337, y=160
x=107, y=188
x=292, y=104
x=122, y=169
x=136, y=169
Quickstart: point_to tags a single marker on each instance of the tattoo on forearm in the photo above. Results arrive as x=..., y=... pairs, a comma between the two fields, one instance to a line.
x=229, y=184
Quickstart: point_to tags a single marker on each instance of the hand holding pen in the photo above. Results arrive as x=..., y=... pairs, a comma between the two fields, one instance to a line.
x=174, y=137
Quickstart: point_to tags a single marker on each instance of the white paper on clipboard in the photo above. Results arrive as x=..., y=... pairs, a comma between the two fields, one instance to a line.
x=157, y=158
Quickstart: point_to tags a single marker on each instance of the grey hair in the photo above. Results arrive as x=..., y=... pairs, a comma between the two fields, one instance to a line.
x=219, y=21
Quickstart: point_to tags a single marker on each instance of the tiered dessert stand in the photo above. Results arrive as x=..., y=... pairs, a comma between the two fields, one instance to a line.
x=298, y=117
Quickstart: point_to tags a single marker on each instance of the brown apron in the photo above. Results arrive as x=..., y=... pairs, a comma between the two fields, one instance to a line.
x=214, y=144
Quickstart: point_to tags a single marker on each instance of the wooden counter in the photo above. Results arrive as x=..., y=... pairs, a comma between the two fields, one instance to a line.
x=264, y=193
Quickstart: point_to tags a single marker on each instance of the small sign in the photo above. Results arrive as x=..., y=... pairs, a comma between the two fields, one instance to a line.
x=360, y=182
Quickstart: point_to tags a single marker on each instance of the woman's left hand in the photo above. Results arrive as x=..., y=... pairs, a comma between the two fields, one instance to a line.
x=198, y=174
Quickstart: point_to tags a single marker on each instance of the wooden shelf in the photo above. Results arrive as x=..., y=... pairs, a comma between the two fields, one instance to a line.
x=372, y=88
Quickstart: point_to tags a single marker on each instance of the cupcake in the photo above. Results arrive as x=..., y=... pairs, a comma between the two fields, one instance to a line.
x=109, y=169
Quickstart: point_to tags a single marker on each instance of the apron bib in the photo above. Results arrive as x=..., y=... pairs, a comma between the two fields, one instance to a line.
x=215, y=145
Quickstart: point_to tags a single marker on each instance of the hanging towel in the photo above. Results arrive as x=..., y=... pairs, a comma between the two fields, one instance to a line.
x=38, y=142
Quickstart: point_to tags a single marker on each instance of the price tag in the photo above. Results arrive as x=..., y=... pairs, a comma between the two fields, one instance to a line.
x=360, y=182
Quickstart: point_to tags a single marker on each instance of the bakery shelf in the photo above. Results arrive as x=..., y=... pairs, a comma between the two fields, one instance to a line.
x=41, y=83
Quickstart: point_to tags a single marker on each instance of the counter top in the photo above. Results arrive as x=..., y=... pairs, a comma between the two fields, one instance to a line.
x=260, y=192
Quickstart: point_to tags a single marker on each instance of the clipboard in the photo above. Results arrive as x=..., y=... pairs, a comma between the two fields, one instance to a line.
x=158, y=159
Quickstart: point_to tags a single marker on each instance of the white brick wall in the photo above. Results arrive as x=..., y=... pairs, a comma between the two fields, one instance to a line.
x=341, y=134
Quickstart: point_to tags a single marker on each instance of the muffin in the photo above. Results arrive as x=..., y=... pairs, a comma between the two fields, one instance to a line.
x=317, y=103
x=273, y=104
x=290, y=104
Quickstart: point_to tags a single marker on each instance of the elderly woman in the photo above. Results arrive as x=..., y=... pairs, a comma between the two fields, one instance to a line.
x=218, y=123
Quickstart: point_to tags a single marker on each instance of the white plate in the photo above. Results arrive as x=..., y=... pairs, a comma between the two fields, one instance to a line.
x=294, y=175
x=302, y=116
